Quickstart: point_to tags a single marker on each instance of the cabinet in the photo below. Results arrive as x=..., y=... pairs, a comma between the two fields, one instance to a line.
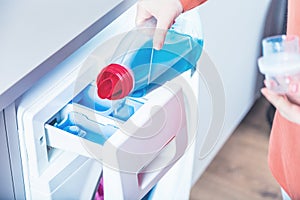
x=6, y=190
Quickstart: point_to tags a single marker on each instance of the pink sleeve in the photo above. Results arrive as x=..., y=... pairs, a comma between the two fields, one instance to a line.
x=293, y=25
x=189, y=4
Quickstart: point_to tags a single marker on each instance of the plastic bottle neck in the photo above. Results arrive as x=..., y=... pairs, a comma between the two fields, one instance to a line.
x=114, y=82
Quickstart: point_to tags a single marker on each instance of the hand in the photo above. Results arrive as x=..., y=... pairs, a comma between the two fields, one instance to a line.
x=164, y=11
x=288, y=105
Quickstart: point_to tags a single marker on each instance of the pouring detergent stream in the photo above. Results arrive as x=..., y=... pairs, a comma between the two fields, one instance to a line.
x=136, y=67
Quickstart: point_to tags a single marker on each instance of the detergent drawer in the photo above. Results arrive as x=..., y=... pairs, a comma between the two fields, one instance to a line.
x=137, y=139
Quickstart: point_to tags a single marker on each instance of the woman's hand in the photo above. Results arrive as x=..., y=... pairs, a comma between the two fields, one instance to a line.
x=288, y=105
x=164, y=11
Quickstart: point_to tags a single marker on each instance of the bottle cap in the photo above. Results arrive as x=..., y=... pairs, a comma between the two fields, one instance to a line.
x=114, y=82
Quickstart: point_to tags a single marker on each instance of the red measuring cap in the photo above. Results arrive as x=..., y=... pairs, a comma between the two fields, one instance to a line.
x=114, y=82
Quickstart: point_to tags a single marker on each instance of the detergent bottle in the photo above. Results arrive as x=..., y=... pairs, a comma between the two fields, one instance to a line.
x=136, y=66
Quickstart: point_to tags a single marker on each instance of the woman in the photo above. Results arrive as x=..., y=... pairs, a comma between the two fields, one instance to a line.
x=284, y=147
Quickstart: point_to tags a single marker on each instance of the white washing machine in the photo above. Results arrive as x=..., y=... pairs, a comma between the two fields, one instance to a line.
x=68, y=143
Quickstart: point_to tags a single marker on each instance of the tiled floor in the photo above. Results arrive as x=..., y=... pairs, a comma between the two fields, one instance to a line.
x=240, y=170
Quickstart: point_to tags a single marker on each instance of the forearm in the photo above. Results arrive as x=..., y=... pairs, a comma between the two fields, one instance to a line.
x=189, y=4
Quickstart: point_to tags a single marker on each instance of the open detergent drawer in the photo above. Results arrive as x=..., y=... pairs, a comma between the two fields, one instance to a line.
x=69, y=138
x=137, y=140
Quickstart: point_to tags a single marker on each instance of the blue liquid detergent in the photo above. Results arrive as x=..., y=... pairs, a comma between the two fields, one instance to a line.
x=179, y=54
x=91, y=100
x=117, y=109
x=79, y=125
x=137, y=68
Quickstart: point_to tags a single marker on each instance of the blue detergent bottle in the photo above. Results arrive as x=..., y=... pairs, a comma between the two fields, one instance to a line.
x=136, y=67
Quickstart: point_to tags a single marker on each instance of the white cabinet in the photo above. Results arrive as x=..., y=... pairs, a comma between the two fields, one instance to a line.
x=6, y=189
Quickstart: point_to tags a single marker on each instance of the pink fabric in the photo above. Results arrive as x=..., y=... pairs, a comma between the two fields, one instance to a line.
x=284, y=147
x=100, y=192
x=189, y=4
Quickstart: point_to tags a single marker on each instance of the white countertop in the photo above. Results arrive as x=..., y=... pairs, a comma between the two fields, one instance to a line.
x=37, y=35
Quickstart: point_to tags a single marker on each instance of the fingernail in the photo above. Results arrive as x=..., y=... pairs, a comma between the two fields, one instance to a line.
x=157, y=46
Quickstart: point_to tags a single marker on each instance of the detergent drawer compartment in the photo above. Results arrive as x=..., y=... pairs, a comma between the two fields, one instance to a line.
x=87, y=122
